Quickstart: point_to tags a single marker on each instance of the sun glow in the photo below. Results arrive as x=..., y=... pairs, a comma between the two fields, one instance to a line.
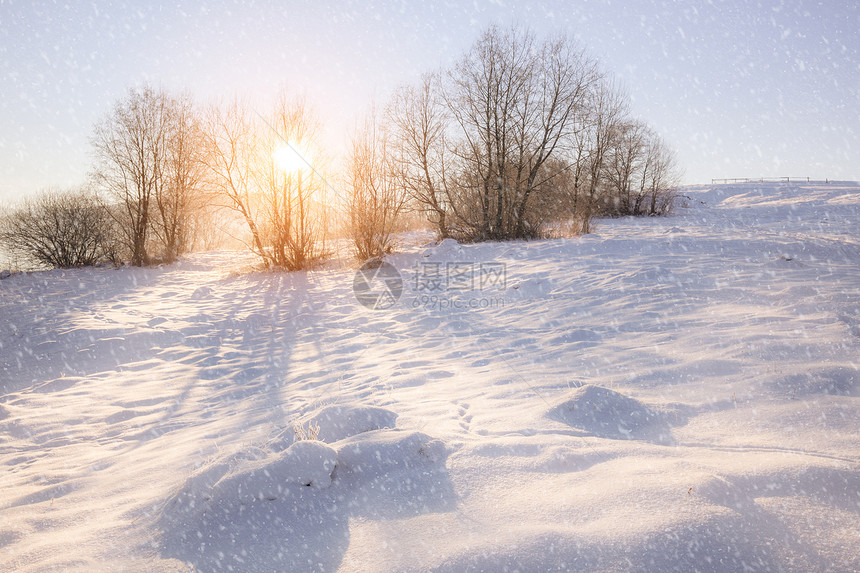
x=288, y=159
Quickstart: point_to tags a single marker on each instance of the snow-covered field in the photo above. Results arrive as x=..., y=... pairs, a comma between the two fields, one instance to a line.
x=670, y=394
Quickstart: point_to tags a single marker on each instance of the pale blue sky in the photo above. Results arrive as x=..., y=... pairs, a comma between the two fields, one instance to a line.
x=739, y=88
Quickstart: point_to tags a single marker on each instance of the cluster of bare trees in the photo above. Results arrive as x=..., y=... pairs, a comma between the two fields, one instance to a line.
x=519, y=138
x=640, y=172
x=148, y=166
x=165, y=170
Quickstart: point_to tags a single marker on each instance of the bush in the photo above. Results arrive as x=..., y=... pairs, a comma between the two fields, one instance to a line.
x=60, y=229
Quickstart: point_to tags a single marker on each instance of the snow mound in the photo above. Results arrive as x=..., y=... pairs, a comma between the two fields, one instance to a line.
x=608, y=414
x=202, y=293
x=375, y=454
x=530, y=289
x=283, y=526
x=248, y=514
x=334, y=423
x=257, y=322
x=447, y=247
x=447, y=251
x=253, y=476
x=308, y=463
x=393, y=474
x=341, y=421
x=835, y=380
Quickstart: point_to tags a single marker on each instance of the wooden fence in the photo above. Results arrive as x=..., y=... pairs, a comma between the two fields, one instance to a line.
x=758, y=179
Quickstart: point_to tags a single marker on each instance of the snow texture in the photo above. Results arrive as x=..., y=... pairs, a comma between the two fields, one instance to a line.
x=667, y=394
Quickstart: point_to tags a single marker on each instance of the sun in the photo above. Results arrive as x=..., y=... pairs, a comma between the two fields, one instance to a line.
x=287, y=159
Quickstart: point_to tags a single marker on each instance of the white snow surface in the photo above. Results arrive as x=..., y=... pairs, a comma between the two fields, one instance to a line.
x=667, y=394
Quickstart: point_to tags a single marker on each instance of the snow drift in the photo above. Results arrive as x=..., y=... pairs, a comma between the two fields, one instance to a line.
x=669, y=394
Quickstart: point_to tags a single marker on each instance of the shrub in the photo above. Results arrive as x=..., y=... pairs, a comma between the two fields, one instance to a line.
x=60, y=229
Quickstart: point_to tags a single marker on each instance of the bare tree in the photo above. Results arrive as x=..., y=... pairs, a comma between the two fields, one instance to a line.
x=269, y=171
x=60, y=229
x=375, y=197
x=662, y=177
x=419, y=120
x=516, y=102
x=485, y=89
x=608, y=109
x=570, y=201
x=230, y=150
x=640, y=172
x=180, y=197
x=292, y=186
x=130, y=146
x=475, y=154
x=625, y=161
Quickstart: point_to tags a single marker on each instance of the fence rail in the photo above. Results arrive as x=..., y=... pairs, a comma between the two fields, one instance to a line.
x=758, y=179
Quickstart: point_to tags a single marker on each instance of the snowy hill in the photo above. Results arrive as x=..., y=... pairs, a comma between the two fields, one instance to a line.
x=671, y=394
